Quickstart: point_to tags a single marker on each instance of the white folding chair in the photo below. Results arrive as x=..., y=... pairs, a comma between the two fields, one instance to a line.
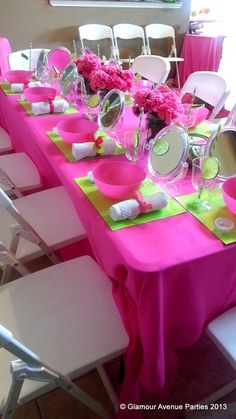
x=232, y=116
x=208, y=86
x=127, y=31
x=5, y=141
x=160, y=31
x=18, y=174
x=222, y=331
x=25, y=59
x=96, y=32
x=64, y=314
x=37, y=224
x=152, y=67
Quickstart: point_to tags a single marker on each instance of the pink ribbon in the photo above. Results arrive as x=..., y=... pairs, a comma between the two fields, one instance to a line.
x=98, y=142
x=143, y=206
x=51, y=106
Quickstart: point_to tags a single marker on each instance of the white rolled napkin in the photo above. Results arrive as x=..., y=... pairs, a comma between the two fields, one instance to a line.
x=83, y=150
x=131, y=207
x=19, y=87
x=59, y=105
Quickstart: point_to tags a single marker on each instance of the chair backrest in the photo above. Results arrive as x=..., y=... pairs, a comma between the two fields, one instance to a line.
x=208, y=86
x=152, y=67
x=160, y=31
x=20, y=60
x=95, y=32
x=127, y=31
x=232, y=116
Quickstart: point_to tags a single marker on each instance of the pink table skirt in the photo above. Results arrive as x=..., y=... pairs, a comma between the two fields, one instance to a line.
x=5, y=50
x=170, y=276
x=200, y=53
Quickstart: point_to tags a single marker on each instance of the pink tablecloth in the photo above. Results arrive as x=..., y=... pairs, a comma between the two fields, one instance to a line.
x=201, y=53
x=5, y=50
x=170, y=276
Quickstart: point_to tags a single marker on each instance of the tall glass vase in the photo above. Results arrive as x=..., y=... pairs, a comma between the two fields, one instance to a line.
x=153, y=125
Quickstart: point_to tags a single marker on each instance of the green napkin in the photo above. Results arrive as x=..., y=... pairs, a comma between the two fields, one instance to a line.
x=207, y=218
x=66, y=148
x=103, y=204
x=5, y=86
x=27, y=106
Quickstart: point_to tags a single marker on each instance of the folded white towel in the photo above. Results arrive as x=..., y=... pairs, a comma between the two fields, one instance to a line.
x=88, y=149
x=131, y=207
x=19, y=87
x=59, y=105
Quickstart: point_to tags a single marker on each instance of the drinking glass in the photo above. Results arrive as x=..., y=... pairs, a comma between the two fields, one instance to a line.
x=134, y=148
x=200, y=185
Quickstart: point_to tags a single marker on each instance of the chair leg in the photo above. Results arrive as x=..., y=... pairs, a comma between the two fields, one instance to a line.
x=108, y=386
x=210, y=401
x=218, y=394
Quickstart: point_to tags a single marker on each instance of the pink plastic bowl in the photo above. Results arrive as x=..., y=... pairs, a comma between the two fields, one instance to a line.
x=40, y=94
x=118, y=180
x=229, y=194
x=18, y=76
x=77, y=130
x=197, y=115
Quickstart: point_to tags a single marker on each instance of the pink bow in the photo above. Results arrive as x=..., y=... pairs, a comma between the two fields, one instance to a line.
x=143, y=206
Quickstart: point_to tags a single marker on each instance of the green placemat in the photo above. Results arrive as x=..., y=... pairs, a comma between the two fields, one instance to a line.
x=203, y=129
x=27, y=106
x=5, y=86
x=66, y=148
x=207, y=218
x=102, y=204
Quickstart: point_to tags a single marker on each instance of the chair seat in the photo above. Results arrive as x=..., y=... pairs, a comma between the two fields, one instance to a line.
x=21, y=170
x=26, y=250
x=223, y=331
x=73, y=324
x=52, y=215
x=5, y=141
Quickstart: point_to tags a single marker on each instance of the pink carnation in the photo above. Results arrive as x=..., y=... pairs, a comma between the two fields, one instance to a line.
x=111, y=77
x=160, y=101
x=88, y=63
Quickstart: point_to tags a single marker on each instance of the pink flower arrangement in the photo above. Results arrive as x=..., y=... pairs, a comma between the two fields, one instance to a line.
x=87, y=63
x=109, y=77
x=102, y=76
x=161, y=101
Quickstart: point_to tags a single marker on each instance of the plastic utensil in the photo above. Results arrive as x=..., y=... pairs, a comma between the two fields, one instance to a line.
x=77, y=130
x=40, y=94
x=229, y=194
x=118, y=180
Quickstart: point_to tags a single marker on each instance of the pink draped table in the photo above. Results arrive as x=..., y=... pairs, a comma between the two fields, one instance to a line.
x=170, y=276
x=200, y=53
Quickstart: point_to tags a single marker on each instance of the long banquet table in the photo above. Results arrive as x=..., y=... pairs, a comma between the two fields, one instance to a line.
x=170, y=276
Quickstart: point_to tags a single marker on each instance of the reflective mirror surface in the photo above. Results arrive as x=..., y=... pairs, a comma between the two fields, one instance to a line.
x=168, y=151
x=223, y=147
x=41, y=64
x=111, y=109
x=68, y=78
